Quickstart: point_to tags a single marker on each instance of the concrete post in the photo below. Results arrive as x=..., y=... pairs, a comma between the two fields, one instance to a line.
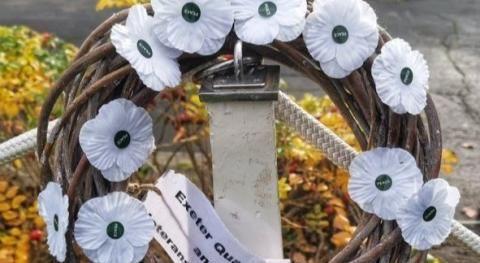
x=245, y=179
x=245, y=173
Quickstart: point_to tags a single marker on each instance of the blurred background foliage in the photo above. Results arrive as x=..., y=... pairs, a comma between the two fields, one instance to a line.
x=30, y=62
x=104, y=4
x=318, y=218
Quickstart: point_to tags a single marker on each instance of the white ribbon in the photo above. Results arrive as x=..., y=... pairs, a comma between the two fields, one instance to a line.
x=189, y=229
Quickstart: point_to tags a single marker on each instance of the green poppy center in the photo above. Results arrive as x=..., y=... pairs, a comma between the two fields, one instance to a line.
x=383, y=182
x=340, y=34
x=267, y=9
x=144, y=48
x=191, y=12
x=406, y=75
x=429, y=214
x=55, y=222
x=115, y=230
x=122, y=139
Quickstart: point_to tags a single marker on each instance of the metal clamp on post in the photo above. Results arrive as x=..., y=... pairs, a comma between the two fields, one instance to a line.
x=243, y=80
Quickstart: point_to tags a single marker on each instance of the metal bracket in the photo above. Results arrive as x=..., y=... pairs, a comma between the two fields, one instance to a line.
x=243, y=79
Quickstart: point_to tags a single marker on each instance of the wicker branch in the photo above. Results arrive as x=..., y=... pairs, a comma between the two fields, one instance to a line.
x=98, y=75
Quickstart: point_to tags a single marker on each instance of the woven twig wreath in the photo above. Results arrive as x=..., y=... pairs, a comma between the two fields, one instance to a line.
x=99, y=75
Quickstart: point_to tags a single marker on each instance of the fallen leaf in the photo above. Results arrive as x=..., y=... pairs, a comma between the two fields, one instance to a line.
x=470, y=212
x=469, y=146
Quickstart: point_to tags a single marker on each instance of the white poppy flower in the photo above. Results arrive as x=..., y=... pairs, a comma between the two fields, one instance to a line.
x=401, y=77
x=341, y=35
x=53, y=207
x=118, y=140
x=260, y=22
x=381, y=180
x=193, y=26
x=426, y=219
x=115, y=228
x=155, y=63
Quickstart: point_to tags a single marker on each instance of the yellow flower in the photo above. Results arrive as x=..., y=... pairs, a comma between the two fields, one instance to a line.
x=15, y=231
x=283, y=188
x=8, y=240
x=104, y=4
x=3, y=186
x=4, y=206
x=18, y=200
x=11, y=192
x=9, y=215
x=449, y=161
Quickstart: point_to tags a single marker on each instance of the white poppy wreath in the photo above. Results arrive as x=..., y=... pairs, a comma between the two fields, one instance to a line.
x=105, y=135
